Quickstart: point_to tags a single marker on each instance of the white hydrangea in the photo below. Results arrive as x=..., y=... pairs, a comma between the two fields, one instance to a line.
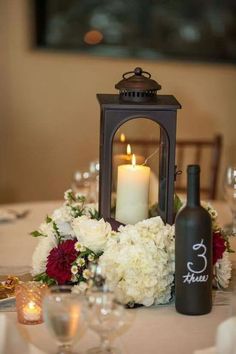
x=222, y=270
x=41, y=252
x=65, y=230
x=139, y=262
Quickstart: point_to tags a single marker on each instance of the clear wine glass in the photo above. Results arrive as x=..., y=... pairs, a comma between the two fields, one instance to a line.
x=230, y=196
x=62, y=312
x=105, y=316
x=97, y=278
x=81, y=183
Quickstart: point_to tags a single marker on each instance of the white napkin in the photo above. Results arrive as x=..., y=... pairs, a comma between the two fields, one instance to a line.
x=226, y=337
x=6, y=216
x=11, y=341
x=211, y=350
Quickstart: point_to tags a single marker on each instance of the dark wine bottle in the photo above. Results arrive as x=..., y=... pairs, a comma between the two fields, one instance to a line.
x=193, y=252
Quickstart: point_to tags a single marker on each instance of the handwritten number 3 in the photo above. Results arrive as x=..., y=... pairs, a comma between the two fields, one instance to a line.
x=197, y=247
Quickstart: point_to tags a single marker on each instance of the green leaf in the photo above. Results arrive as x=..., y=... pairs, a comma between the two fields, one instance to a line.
x=70, y=196
x=44, y=278
x=48, y=219
x=85, y=253
x=81, y=199
x=177, y=203
x=228, y=247
x=36, y=234
x=153, y=211
x=77, y=211
x=97, y=255
x=55, y=228
x=94, y=214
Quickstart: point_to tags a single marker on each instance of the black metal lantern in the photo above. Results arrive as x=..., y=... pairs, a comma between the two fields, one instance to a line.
x=138, y=98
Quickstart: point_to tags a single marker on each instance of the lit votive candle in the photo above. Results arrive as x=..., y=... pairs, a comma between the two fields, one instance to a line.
x=29, y=298
x=32, y=312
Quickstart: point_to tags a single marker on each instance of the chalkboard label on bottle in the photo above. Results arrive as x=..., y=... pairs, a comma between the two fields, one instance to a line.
x=195, y=271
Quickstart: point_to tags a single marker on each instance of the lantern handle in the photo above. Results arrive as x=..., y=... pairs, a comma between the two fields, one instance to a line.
x=177, y=173
x=138, y=72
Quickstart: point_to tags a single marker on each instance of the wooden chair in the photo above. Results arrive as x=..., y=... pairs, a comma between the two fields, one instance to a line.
x=206, y=153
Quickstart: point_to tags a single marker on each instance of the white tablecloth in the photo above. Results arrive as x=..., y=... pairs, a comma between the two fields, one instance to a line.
x=159, y=330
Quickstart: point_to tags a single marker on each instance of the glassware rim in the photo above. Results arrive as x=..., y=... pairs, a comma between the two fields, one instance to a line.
x=31, y=284
x=57, y=290
x=60, y=287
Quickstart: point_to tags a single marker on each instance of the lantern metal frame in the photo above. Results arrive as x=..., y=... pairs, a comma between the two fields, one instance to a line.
x=114, y=113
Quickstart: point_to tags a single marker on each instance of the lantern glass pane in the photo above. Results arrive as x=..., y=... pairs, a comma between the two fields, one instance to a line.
x=141, y=137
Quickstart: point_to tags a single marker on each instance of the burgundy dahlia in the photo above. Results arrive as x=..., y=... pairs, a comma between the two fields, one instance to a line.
x=219, y=246
x=60, y=260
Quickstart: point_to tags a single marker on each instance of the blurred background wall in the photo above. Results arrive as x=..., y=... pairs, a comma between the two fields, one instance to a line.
x=50, y=117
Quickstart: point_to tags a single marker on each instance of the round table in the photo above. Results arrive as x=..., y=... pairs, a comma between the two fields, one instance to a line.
x=148, y=331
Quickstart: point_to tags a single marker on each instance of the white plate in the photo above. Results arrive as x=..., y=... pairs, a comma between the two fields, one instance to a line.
x=7, y=299
x=17, y=271
x=6, y=216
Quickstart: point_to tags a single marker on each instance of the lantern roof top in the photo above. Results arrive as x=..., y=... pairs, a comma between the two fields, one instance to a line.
x=141, y=80
x=137, y=86
x=160, y=102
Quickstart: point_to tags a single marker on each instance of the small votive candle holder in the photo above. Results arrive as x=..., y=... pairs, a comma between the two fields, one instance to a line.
x=29, y=298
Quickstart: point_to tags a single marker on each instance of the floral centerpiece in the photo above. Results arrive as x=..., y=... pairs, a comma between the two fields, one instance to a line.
x=69, y=239
x=137, y=260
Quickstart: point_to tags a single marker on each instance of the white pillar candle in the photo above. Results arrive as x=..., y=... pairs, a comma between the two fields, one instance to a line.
x=123, y=159
x=132, y=193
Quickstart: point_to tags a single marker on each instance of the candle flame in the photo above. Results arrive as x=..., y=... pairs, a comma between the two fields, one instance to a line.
x=122, y=137
x=133, y=160
x=31, y=305
x=128, y=150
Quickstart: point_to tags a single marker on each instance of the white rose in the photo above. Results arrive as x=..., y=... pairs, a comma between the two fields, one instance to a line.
x=92, y=233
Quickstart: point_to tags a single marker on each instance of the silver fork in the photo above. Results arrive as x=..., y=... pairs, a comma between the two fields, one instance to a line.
x=19, y=214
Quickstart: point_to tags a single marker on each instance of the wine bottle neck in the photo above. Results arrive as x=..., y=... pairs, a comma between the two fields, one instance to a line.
x=193, y=189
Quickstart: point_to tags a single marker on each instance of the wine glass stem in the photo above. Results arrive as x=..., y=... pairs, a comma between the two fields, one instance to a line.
x=234, y=220
x=105, y=343
x=64, y=349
